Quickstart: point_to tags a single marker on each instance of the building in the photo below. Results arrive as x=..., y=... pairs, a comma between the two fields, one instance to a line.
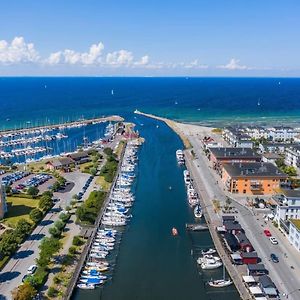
x=282, y=133
x=233, y=227
x=3, y=206
x=237, y=137
x=249, y=258
x=252, y=178
x=256, y=132
x=287, y=207
x=268, y=286
x=292, y=156
x=256, y=270
x=243, y=241
x=61, y=163
x=270, y=157
x=294, y=233
x=80, y=157
x=272, y=147
x=231, y=242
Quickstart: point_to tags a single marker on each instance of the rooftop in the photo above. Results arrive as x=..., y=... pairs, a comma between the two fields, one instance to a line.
x=226, y=152
x=290, y=193
x=254, y=170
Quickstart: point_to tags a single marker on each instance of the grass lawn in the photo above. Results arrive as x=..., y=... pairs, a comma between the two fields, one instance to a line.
x=87, y=165
x=18, y=208
x=36, y=166
x=104, y=185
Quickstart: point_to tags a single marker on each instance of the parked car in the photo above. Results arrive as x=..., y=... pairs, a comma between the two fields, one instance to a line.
x=274, y=258
x=267, y=233
x=273, y=241
x=31, y=269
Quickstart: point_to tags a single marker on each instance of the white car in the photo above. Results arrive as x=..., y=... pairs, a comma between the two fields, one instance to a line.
x=273, y=240
x=31, y=269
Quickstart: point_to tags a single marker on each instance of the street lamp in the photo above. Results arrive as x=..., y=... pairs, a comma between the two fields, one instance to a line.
x=287, y=295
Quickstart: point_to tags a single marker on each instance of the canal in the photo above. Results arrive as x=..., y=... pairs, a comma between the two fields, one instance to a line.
x=151, y=263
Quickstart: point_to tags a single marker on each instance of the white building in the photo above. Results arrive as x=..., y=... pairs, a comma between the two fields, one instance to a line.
x=292, y=156
x=282, y=133
x=288, y=207
x=294, y=233
x=237, y=137
x=256, y=132
x=3, y=206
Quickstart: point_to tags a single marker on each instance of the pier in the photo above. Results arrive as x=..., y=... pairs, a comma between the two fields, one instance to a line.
x=84, y=254
x=213, y=220
x=65, y=124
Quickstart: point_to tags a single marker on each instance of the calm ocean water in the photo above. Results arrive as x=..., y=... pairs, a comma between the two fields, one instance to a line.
x=44, y=100
x=151, y=264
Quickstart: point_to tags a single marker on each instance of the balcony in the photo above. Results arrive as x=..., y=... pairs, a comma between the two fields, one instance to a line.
x=256, y=186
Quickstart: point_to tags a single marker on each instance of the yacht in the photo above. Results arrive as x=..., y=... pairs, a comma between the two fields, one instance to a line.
x=210, y=264
x=180, y=157
x=198, y=212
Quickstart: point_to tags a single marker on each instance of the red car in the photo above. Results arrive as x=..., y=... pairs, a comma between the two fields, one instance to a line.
x=267, y=233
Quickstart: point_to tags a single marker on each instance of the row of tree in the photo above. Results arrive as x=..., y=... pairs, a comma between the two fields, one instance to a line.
x=111, y=166
x=88, y=211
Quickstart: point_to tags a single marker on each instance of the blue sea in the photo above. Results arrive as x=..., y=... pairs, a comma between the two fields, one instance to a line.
x=151, y=264
x=206, y=100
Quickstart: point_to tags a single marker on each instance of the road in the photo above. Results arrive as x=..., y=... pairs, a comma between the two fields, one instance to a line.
x=12, y=274
x=285, y=278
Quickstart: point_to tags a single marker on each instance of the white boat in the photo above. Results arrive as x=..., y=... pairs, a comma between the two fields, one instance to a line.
x=210, y=264
x=86, y=286
x=219, y=283
x=180, y=156
x=208, y=251
x=198, y=212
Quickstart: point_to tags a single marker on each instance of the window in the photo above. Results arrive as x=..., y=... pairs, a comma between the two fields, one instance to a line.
x=244, y=191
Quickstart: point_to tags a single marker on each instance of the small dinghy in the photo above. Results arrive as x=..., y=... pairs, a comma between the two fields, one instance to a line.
x=219, y=283
x=174, y=231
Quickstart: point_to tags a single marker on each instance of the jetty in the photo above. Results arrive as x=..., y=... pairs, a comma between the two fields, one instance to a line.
x=62, y=125
x=171, y=124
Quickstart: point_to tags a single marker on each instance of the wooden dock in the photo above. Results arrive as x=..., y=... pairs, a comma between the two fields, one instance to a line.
x=213, y=221
x=56, y=126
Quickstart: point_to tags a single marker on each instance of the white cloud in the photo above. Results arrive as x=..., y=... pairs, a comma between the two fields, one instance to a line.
x=233, y=65
x=119, y=58
x=68, y=56
x=194, y=65
x=18, y=51
x=143, y=61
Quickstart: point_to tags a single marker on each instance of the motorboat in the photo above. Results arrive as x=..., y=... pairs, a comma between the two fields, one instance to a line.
x=211, y=264
x=198, y=212
x=180, y=157
x=174, y=231
x=86, y=286
x=208, y=251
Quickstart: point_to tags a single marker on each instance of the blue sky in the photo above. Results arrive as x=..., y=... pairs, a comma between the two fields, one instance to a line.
x=150, y=38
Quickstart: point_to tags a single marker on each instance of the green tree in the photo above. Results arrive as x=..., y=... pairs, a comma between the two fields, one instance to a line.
x=23, y=228
x=108, y=151
x=64, y=217
x=56, y=186
x=45, y=202
x=77, y=241
x=48, y=247
x=36, y=215
x=24, y=292
x=33, y=191
x=48, y=194
x=93, y=171
x=8, y=189
x=61, y=180
x=60, y=225
x=8, y=243
x=55, y=232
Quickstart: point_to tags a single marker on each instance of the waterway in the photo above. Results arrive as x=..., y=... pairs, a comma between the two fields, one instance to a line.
x=151, y=263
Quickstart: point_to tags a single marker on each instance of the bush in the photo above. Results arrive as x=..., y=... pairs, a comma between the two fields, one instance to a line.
x=67, y=260
x=55, y=232
x=24, y=292
x=77, y=241
x=108, y=151
x=52, y=292
x=33, y=191
x=72, y=250
x=64, y=217
x=60, y=225
x=36, y=215
x=45, y=202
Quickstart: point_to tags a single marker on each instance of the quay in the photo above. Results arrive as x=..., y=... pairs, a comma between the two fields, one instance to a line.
x=213, y=220
x=93, y=232
x=65, y=124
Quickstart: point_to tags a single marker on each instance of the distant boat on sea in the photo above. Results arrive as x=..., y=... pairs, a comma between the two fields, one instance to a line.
x=258, y=102
x=176, y=102
x=112, y=92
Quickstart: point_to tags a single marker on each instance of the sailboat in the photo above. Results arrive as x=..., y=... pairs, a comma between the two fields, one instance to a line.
x=112, y=92
x=219, y=283
x=258, y=102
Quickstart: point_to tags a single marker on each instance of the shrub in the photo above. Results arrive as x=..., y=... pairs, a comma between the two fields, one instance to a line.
x=72, y=250
x=33, y=191
x=52, y=292
x=64, y=217
x=36, y=215
x=77, y=241
x=55, y=232
x=24, y=291
x=60, y=225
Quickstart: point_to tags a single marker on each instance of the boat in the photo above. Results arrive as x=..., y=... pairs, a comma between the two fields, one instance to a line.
x=180, y=157
x=86, y=286
x=219, y=283
x=198, y=212
x=174, y=231
x=208, y=251
x=209, y=264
